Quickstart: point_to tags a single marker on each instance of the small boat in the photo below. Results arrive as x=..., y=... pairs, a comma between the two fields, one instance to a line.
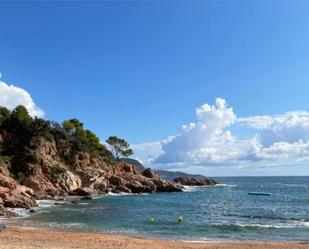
x=258, y=193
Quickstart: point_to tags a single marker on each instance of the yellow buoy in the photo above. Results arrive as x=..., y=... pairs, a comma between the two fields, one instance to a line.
x=179, y=218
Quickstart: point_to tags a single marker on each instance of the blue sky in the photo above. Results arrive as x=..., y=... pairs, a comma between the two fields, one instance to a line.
x=140, y=69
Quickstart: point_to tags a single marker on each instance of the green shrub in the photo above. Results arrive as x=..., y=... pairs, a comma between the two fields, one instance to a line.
x=31, y=158
x=4, y=158
x=94, y=154
x=56, y=172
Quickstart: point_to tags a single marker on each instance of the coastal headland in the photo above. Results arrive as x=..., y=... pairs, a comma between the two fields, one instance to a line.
x=41, y=159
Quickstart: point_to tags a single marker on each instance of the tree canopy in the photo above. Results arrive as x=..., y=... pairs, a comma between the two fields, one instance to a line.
x=24, y=128
x=120, y=147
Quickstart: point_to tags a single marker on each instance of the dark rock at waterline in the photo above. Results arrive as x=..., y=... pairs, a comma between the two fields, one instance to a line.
x=59, y=198
x=170, y=188
x=86, y=198
x=194, y=182
x=32, y=210
x=137, y=187
x=58, y=203
x=86, y=191
x=7, y=213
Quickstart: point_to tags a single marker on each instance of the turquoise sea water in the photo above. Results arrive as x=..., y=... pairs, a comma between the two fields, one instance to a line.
x=222, y=212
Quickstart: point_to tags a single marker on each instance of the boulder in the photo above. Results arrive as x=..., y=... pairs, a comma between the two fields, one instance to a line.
x=149, y=173
x=137, y=187
x=194, y=182
x=101, y=185
x=69, y=181
x=129, y=168
x=169, y=188
x=116, y=180
x=123, y=168
x=16, y=199
x=14, y=195
x=120, y=189
x=84, y=192
x=42, y=186
x=149, y=183
x=7, y=213
x=4, y=211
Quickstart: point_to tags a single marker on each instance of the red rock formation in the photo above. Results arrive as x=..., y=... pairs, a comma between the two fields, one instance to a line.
x=50, y=176
x=194, y=182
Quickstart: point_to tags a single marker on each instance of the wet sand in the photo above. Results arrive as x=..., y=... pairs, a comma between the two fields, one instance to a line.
x=37, y=238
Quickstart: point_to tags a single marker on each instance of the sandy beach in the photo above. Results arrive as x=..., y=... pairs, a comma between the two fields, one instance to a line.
x=24, y=238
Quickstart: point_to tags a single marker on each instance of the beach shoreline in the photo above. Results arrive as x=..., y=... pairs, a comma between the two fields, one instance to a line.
x=19, y=237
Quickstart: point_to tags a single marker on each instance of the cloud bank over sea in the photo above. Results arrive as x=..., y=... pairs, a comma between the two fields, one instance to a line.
x=211, y=140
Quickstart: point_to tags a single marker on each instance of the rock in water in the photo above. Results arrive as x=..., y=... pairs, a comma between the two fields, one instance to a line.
x=86, y=198
x=86, y=191
x=194, y=182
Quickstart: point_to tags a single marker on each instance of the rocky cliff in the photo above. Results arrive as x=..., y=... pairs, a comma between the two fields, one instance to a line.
x=50, y=176
x=41, y=159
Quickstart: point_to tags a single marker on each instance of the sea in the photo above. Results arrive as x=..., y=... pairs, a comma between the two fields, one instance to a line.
x=237, y=209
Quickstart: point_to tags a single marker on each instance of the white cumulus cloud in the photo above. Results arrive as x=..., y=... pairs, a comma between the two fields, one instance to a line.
x=211, y=140
x=297, y=151
x=146, y=153
x=205, y=140
x=12, y=96
x=290, y=128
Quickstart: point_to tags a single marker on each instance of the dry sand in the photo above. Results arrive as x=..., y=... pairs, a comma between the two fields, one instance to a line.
x=25, y=238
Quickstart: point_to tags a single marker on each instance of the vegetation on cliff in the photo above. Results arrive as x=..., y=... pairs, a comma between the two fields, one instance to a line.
x=43, y=159
x=23, y=130
x=120, y=147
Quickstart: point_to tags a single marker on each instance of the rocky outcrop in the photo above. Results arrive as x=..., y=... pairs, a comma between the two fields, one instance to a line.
x=51, y=176
x=86, y=191
x=54, y=171
x=13, y=194
x=149, y=173
x=69, y=181
x=194, y=182
x=146, y=182
x=4, y=211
